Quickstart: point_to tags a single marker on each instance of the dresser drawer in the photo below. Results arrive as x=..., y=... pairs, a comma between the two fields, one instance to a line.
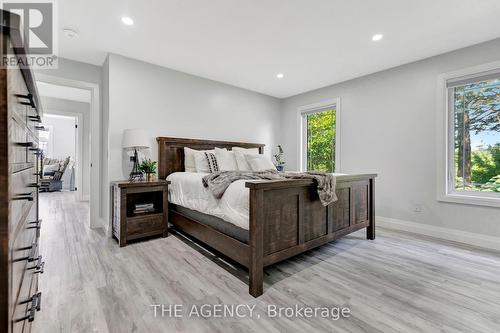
x=145, y=225
x=31, y=156
x=24, y=262
x=26, y=309
x=33, y=292
x=19, y=144
x=23, y=192
x=17, y=90
x=24, y=254
x=32, y=120
x=21, y=305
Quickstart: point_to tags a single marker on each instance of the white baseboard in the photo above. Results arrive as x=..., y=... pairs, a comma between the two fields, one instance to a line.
x=470, y=238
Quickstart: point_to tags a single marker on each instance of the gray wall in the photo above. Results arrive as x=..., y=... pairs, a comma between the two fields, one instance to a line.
x=166, y=102
x=389, y=127
x=74, y=70
x=170, y=103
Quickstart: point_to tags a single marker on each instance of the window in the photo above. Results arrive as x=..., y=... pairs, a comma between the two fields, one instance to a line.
x=473, y=136
x=320, y=137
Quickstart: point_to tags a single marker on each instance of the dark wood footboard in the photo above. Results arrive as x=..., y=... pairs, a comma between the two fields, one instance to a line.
x=287, y=218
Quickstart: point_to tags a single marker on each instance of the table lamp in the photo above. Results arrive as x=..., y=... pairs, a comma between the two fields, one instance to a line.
x=135, y=139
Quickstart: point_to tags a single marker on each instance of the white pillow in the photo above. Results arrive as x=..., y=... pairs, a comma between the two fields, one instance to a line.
x=226, y=160
x=189, y=163
x=50, y=168
x=259, y=162
x=240, y=157
x=201, y=162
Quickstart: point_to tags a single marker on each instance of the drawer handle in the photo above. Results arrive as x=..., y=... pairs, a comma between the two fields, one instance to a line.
x=37, y=225
x=31, y=256
x=25, y=144
x=39, y=266
x=28, y=97
x=41, y=128
x=36, y=119
x=36, y=305
x=24, y=196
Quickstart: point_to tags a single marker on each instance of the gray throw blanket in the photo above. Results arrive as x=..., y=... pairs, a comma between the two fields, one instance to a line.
x=218, y=182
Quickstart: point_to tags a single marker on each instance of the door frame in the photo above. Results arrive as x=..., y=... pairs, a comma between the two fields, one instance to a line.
x=95, y=138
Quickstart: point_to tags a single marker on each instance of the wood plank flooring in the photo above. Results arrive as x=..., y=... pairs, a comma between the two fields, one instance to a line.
x=398, y=283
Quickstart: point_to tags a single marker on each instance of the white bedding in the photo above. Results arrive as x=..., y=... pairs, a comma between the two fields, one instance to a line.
x=186, y=189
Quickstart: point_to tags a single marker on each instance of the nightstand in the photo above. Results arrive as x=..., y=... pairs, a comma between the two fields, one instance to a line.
x=139, y=210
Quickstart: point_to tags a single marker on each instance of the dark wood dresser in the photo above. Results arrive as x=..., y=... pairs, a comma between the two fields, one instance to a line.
x=20, y=117
x=128, y=224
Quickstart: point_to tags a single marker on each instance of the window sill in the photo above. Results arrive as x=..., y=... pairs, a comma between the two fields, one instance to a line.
x=471, y=199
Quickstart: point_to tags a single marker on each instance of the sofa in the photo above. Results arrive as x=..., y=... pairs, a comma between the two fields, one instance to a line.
x=55, y=173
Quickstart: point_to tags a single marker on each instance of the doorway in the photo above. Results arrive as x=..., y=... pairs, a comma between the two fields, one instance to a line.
x=66, y=141
x=62, y=148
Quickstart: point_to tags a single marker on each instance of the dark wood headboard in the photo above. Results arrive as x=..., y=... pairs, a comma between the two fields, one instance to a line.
x=171, y=151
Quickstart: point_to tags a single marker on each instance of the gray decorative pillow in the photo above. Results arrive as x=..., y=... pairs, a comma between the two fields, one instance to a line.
x=212, y=162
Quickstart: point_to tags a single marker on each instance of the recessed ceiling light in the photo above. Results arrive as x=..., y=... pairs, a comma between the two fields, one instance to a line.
x=127, y=20
x=70, y=33
x=377, y=37
x=280, y=75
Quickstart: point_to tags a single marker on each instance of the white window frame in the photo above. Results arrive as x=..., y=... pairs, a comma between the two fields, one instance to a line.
x=445, y=142
x=302, y=129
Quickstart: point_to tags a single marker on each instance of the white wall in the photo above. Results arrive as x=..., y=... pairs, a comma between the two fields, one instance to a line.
x=63, y=136
x=389, y=127
x=170, y=103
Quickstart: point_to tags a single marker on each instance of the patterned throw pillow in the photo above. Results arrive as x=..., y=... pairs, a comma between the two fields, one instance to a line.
x=212, y=162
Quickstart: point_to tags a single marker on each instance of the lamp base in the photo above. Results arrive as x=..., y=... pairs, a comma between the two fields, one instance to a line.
x=135, y=174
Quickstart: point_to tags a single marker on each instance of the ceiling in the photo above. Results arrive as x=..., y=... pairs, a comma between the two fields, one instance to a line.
x=314, y=43
x=53, y=90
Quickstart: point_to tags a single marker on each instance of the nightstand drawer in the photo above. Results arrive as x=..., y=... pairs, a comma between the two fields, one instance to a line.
x=145, y=225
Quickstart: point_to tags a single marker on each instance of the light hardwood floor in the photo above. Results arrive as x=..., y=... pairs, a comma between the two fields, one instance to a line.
x=397, y=283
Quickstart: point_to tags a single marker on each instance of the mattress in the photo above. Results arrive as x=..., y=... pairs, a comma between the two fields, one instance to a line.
x=186, y=189
x=214, y=222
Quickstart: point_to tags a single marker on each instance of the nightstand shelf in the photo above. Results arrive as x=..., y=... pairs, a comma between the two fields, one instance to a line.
x=128, y=225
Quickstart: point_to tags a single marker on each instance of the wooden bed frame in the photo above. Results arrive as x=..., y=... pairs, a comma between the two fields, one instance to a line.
x=286, y=216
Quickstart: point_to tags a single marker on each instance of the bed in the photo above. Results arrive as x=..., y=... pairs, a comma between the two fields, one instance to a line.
x=285, y=217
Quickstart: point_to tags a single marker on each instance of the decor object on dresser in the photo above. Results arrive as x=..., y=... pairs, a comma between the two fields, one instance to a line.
x=149, y=168
x=286, y=217
x=20, y=115
x=278, y=157
x=135, y=139
x=140, y=209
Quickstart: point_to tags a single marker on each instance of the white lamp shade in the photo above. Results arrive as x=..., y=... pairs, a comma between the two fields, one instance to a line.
x=135, y=138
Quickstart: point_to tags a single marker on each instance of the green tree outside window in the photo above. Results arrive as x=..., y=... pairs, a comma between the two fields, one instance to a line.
x=477, y=116
x=321, y=130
